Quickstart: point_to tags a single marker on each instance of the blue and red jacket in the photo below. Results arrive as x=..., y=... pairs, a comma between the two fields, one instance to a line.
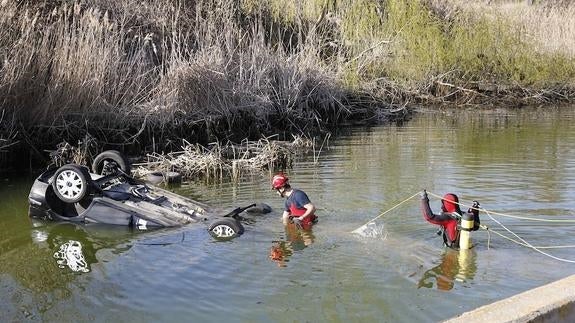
x=294, y=204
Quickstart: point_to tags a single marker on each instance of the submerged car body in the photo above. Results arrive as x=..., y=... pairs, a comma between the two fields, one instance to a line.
x=72, y=193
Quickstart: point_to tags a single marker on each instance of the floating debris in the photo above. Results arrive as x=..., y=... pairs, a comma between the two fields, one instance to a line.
x=66, y=153
x=218, y=160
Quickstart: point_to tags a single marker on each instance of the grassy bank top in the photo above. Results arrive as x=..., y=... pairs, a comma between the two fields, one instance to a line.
x=148, y=72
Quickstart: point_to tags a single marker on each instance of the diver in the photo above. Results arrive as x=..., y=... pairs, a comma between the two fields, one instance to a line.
x=298, y=208
x=450, y=217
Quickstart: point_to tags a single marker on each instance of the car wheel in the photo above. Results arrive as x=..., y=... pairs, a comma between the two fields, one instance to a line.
x=260, y=208
x=109, y=161
x=71, y=183
x=155, y=178
x=174, y=177
x=168, y=177
x=226, y=228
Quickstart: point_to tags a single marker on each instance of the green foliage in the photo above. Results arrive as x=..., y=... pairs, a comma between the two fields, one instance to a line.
x=423, y=45
x=418, y=41
x=116, y=62
x=495, y=50
x=360, y=20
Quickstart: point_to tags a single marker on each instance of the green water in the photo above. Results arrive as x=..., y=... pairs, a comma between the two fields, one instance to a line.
x=514, y=162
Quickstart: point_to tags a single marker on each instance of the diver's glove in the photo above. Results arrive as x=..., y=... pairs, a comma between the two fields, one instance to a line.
x=424, y=195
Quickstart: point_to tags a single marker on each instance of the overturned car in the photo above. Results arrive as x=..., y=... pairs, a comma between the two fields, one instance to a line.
x=108, y=194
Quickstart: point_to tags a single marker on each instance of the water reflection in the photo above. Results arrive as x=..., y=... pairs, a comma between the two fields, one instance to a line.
x=520, y=163
x=70, y=255
x=296, y=239
x=456, y=265
x=74, y=246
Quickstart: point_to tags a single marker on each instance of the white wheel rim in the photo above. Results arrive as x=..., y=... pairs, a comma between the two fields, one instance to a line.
x=69, y=184
x=223, y=231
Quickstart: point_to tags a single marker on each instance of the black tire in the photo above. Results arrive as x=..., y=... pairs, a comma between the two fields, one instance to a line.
x=168, y=177
x=226, y=228
x=108, y=161
x=155, y=178
x=71, y=183
x=260, y=208
x=173, y=177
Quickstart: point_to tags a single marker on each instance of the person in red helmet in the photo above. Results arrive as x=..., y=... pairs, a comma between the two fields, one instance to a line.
x=298, y=207
x=449, y=218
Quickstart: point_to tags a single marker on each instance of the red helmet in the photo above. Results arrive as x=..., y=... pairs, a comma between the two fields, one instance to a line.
x=279, y=181
x=450, y=203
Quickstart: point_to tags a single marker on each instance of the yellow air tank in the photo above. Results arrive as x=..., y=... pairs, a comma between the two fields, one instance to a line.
x=465, y=234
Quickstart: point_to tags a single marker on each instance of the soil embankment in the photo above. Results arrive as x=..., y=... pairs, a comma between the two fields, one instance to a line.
x=143, y=75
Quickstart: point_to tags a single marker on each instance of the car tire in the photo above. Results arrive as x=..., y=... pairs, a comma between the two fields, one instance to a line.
x=106, y=161
x=174, y=177
x=260, y=208
x=226, y=228
x=71, y=183
x=168, y=177
x=155, y=178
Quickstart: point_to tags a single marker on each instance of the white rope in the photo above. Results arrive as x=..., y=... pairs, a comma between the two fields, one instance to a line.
x=506, y=215
x=521, y=241
x=525, y=243
x=382, y=214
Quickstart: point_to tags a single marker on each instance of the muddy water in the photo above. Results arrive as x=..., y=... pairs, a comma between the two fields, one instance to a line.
x=519, y=163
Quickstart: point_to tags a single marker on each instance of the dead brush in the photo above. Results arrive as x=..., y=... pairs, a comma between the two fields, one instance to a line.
x=219, y=160
x=8, y=133
x=66, y=153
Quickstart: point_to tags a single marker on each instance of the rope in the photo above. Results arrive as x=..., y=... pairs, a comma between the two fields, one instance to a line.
x=520, y=240
x=506, y=215
x=525, y=245
x=382, y=214
x=524, y=242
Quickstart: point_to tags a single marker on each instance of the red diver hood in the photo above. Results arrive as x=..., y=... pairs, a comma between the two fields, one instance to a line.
x=449, y=203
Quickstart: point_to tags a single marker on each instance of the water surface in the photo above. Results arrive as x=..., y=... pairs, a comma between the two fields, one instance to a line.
x=513, y=162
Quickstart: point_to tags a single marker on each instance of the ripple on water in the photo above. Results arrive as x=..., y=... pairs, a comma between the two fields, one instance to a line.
x=510, y=162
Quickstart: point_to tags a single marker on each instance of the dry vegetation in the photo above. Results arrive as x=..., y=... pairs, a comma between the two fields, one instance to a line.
x=218, y=160
x=548, y=25
x=145, y=74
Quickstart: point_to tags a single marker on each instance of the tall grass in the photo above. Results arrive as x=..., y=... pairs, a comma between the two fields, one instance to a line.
x=195, y=63
x=512, y=41
x=75, y=63
x=547, y=25
x=147, y=71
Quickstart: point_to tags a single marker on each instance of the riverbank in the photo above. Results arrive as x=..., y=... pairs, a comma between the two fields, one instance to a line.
x=554, y=302
x=141, y=76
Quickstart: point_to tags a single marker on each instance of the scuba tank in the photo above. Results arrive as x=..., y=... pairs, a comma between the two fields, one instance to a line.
x=469, y=222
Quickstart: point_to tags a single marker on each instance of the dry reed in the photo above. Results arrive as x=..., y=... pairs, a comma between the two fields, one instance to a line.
x=135, y=72
x=195, y=160
x=8, y=133
x=549, y=25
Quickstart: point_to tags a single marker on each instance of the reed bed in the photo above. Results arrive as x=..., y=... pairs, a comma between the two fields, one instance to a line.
x=8, y=134
x=136, y=74
x=82, y=154
x=548, y=25
x=219, y=160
